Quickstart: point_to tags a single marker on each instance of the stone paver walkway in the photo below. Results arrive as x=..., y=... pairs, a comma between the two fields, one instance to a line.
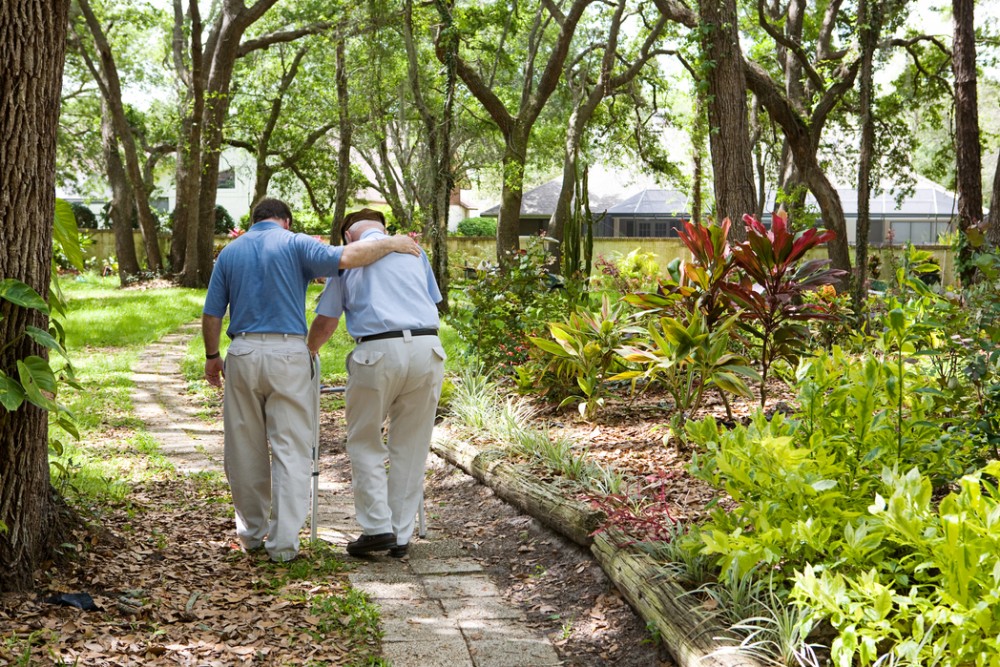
x=438, y=607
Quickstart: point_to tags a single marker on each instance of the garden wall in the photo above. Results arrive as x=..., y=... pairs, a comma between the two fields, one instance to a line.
x=471, y=251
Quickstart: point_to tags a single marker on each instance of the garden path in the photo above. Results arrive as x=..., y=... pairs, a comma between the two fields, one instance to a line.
x=438, y=607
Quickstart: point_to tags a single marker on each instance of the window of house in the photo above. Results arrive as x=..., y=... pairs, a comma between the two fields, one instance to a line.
x=227, y=179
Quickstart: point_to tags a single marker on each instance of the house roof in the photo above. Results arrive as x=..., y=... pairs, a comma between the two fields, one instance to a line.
x=604, y=188
x=653, y=202
x=928, y=200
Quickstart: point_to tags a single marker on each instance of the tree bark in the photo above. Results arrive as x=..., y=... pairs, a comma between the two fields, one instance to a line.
x=122, y=205
x=869, y=18
x=968, y=158
x=344, y=142
x=729, y=137
x=993, y=226
x=34, y=36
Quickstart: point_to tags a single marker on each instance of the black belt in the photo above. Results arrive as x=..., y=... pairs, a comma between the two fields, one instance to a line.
x=397, y=334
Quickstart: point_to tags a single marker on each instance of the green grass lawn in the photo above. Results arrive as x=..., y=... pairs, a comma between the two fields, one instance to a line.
x=106, y=331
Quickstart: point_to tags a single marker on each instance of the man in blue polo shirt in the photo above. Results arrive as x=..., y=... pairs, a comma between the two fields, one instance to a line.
x=261, y=277
x=395, y=372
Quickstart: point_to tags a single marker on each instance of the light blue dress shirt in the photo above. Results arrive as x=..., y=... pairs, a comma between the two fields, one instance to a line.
x=262, y=276
x=395, y=293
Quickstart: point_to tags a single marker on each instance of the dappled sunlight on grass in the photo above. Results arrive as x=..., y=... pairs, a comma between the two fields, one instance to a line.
x=106, y=330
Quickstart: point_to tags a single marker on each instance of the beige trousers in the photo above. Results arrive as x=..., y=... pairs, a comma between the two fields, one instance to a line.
x=400, y=380
x=269, y=400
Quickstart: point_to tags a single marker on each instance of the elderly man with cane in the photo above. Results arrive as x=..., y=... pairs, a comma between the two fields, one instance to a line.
x=395, y=372
x=269, y=413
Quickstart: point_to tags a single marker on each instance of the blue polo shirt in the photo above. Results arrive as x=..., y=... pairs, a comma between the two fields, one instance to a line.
x=397, y=292
x=262, y=276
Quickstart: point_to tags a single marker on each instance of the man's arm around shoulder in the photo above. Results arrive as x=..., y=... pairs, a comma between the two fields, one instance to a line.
x=363, y=253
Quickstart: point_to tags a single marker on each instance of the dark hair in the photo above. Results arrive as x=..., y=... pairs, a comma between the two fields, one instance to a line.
x=271, y=208
x=358, y=216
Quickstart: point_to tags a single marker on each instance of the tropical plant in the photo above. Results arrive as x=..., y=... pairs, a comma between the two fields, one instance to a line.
x=687, y=359
x=771, y=287
x=583, y=351
x=36, y=381
x=696, y=283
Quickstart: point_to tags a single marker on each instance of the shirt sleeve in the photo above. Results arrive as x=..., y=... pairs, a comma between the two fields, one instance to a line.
x=331, y=300
x=217, y=298
x=318, y=259
x=432, y=286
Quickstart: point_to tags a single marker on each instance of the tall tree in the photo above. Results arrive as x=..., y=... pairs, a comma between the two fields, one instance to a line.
x=729, y=129
x=615, y=68
x=967, y=149
x=549, y=35
x=205, y=71
x=105, y=73
x=122, y=204
x=34, y=36
x=869, y=15
x=437, y=120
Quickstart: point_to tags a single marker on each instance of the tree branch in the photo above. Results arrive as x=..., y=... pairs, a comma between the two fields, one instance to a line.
x=282, y=37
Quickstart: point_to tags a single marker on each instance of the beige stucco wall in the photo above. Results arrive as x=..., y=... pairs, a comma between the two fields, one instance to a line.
x=470, y=251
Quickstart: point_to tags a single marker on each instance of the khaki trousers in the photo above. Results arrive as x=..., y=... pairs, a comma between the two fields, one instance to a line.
x=400, y=380
x=269, y=400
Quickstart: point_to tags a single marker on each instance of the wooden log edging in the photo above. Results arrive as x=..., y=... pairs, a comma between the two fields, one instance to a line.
x=568, y=517
x=683, y=631
x=687, y=634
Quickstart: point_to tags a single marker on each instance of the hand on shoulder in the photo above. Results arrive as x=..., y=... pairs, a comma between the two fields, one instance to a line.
x=405, y=244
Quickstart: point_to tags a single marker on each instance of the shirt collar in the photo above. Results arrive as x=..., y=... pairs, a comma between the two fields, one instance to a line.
x=371, y=232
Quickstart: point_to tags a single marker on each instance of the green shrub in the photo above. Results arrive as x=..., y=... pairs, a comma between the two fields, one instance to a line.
x=493, y=311
x=581, y=355
x=223, y=221
x=85, y=218
x=623, y=274
x=308, y=222
x=477, y=226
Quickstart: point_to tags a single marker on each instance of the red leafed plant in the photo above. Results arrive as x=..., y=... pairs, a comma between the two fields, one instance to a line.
x=772, y=284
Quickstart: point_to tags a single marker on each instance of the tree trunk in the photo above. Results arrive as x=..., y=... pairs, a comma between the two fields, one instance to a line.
x=344, y=146
x=870, y=26
x=110, y=85
x=122, y=204
x=967, y=149
x=732, y=159
x=185, y=239
x=801, y=142
x=34, y=36
x=511, y=195
x=993, y=228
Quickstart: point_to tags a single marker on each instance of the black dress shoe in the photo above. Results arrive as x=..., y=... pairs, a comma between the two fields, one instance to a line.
x=366, y=544
x=399, y=550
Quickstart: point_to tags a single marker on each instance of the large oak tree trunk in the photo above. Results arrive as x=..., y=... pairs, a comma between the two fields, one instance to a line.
x=34, y=36
x=511, y=196
x=732, y=160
